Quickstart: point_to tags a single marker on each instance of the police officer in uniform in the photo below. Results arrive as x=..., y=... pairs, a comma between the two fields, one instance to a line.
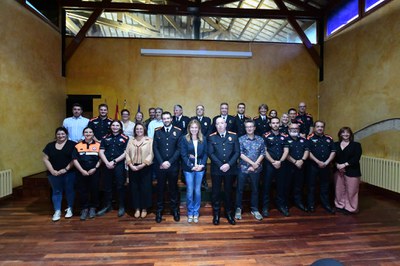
x=292, y=112
x=112, y=153
x=298, y=154
x=224, y=151
x=100, y=124
x=224, y=113
x=276, y=153
x=167, y=154
x=240, y=118
x=262, y=120
x=180, y=120
x=322, y=152
x=306, y=118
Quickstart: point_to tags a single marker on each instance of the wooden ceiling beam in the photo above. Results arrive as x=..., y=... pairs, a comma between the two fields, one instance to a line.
x=309, y=46
x=218, y=2
x=69, y=51
x=192, y=9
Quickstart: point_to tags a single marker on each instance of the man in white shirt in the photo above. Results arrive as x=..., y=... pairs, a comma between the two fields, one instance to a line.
x=76, y=123
x=157, y=122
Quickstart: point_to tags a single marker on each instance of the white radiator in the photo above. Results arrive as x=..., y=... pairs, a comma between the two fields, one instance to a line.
x=381, y=173
x=5, y=183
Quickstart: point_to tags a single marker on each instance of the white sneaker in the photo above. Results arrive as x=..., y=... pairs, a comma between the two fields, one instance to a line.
x=56, y=216
x=68, y=213
x=190, y=219
x=196, y=219
x=238, y=214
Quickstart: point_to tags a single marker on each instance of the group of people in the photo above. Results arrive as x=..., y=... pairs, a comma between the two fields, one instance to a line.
x=293, y=151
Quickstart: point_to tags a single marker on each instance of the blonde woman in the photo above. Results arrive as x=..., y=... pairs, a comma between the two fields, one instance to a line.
x=193, y=148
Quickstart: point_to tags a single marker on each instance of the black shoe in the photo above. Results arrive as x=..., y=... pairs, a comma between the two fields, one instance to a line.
x=216, y=219
x=230, y=218
x=300, y=206
x=204, y=185
x=121, y=212
x=329, y=209
x=265, y=213
x=311, y=208
x=158, y=217
x=284, y=211
x=104, y=210
x=176, y=216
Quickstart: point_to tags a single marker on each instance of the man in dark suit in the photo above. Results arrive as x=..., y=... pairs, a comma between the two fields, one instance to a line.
x=179, y=120
x=240, y=118
x=205, y=122
x=262, y=121
x=206, y=128
x=224, y=113
x=167, y=154
x=224, y=151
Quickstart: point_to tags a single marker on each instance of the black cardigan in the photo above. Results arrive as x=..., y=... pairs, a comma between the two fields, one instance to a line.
x=351, y=155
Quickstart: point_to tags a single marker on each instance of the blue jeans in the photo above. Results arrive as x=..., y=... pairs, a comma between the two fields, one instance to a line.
x=62, y=183
x=193, y=192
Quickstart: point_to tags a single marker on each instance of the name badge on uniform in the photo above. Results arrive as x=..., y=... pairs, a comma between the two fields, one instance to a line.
x=314, y=140
x=271, y=138
x=230, y=139
x=290, y=141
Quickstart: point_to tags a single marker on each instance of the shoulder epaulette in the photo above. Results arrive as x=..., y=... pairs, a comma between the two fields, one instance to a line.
x=267, y=134
x=106, y=136
x=230, y=132
x=177, y=128
x=109, y=119
x=285, y=135
x=94, y=118
x=310, y=136
x=157, y=128
x=213, y=134
x=124, y=136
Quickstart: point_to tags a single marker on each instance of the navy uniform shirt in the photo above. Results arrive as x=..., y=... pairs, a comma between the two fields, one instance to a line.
x=284, y=129
x=297, y=147
x=182, y=123
x=321, y=146
x=166, y=146
x=223, y=150
x=230, y=123
x=262, y=125
x=307, y=120
x=275, y=144
x=206, y=126
x=114, y=145
x=239, y=125
x=101, y=127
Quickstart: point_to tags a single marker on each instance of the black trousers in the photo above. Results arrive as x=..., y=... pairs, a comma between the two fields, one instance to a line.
x=118, y=172
x=88, y=187
x=281, y=185
x=140, y=187
x=216, y=192
x=296, y=183
x=170, y=176
x=324, y=179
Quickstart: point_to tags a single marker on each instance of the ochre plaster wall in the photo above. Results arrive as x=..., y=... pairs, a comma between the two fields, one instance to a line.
x=362, y=80
x=278, y=74
x=32, y=91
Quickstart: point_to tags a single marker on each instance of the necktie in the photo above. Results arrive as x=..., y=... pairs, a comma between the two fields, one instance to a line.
x=222, y=135
x=199, y=118
x=167, y=129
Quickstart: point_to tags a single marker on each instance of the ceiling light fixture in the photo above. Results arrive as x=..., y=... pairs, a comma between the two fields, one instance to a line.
x=196, y=53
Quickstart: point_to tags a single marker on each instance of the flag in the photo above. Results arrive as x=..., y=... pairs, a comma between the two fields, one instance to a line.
x=116, y=112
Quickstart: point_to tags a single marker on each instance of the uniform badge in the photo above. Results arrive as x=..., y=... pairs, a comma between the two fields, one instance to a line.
x=230, y=139
x=109, y=123
x=328, y=140
x=301, y=140
x=122, y=140
x=205, y=123
x=94, y=148
x=183, y=123
x=271, y=138
x=314, y=140
x=290, y=141
x=230, y=121
x=174, y=133
x=282, y=138
x=95, y=122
